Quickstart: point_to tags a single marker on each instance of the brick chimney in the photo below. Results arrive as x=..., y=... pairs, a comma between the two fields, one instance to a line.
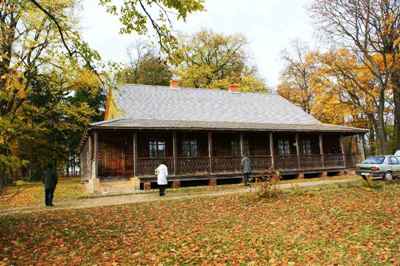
x=173, y=84
x=234, y=88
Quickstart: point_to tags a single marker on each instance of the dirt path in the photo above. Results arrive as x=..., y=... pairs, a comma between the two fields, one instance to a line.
x=150, y=197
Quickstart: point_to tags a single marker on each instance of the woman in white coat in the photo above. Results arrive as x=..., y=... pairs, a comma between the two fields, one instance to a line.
x=162, y=181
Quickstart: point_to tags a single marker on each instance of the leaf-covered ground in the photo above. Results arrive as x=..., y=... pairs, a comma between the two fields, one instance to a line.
x=345, y=226
x=32, y=193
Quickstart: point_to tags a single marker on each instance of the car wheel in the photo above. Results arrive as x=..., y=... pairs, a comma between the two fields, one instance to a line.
x=388, y=176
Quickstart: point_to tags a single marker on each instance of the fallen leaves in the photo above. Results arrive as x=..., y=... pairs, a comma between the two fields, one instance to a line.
x=338, y=226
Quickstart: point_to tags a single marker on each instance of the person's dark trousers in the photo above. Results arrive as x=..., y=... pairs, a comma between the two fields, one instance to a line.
x=162, y=189
x=246, y=177
x=49, y=194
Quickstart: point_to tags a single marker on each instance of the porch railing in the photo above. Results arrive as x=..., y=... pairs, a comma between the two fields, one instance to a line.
x=333, y=160
x=311, y=161
x=226, y=164
x=261, y=162
x=185, y=165
x=147, y=166
x=286, y=161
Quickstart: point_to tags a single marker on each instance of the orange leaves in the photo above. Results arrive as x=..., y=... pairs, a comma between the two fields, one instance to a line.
x=332, y=226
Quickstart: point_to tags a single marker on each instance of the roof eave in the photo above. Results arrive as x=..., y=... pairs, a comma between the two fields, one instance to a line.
x=345, y=130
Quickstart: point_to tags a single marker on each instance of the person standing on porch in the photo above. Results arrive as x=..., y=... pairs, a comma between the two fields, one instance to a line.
x=246, y=169
x=50, y=180
x=162, y=174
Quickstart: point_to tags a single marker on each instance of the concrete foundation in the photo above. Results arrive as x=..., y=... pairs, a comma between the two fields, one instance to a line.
x=176, y=184
x=147, y=185
x=212, y=182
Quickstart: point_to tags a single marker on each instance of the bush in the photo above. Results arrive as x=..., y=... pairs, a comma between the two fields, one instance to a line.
x=267, y=188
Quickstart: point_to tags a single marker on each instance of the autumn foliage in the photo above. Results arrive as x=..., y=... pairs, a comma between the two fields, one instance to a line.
x=342, y=226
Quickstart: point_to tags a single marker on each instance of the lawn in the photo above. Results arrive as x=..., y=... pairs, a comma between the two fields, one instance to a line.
x=345, y=225
x=25, y=194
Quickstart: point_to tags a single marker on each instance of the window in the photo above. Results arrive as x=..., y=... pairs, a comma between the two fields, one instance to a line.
x=394, y=160
x=190, y=148
x=283, y=147
x=374, y=160
x=156, y=149
x=306, y=147
x=235, y=147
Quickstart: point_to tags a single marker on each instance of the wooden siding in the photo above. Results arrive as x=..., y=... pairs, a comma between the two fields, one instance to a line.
x=115, y=155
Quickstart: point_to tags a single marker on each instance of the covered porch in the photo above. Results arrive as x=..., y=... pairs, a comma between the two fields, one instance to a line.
x=206, y=154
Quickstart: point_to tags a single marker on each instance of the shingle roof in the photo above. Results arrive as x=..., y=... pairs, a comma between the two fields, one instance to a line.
x=144, y=106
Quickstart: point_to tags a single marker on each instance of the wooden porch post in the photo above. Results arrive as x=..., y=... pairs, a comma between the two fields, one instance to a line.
x=241, y=145
x=95, y=151
x=298, y=151
x=134, y=153
x=271, y=150
x=342, y=148
x=321, y=150
x=93, y=180
x=89, y=159
x=361, y=147
x=210, y=152
x=174, y=151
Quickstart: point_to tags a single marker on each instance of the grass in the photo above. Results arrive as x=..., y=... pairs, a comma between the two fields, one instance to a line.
x=24, y=194
x=27, y=194
x=346, y=224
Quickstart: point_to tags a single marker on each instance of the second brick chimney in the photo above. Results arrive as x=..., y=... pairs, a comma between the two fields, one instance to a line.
x=234, y=88
x=173, y=84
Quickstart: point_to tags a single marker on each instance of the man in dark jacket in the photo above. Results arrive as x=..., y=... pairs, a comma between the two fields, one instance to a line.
x=50, y=180
x=246, y=169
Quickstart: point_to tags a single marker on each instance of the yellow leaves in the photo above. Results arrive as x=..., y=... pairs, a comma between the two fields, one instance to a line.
x=333, y=86
x=112, y=110
x=213, y=60
x=85, y=78
x=15, y=87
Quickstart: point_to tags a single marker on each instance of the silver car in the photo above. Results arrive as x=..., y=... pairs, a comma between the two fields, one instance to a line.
x=384, y=166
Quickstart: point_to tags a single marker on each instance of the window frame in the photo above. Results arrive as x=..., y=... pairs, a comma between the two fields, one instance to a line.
x=235, y=148
x=306, y=145
x=156, y=150
x=283, y=147
x=190, y=148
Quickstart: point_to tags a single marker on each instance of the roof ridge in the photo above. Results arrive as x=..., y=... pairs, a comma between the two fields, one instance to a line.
x=213, y=90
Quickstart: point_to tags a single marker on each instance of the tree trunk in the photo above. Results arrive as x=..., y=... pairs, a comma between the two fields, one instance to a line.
x=381, y=130
x=396, y=101
x=372, y=133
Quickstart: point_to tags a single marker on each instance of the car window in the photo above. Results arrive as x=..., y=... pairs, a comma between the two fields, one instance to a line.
x=393, y=160
x=374, y=160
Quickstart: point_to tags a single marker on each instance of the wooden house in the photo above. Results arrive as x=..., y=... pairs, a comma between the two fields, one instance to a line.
x=202, y=134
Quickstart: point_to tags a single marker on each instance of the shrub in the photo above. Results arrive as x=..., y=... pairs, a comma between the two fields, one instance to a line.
x=266, y=185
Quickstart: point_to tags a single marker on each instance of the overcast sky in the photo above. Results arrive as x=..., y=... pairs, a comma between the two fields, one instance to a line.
x=269, y=25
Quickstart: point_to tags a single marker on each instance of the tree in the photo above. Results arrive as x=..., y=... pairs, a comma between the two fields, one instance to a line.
x=295, y=81
x=32, y=64
x=136, y=15
x=147, y=66
x=340, y=89
x=34, y=87
x=211, y=60
x=371, y=30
